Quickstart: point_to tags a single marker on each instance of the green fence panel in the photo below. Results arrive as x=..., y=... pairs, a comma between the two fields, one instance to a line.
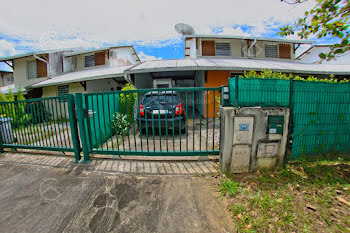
x=259, y=92
x=321, y=118
x=103, y=106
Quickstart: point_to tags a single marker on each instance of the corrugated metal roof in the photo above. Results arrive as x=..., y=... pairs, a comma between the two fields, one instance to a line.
x=84, y=75
x=32, y=53
x=250, y=38
x=237, y=65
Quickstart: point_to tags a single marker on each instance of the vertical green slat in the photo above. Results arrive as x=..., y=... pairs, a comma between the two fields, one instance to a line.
x=220, y=92
x=133, y=119
x=207, y=138
x=154, y=144
x=17, y=113
x=125, y=97
x=53, y=125
x=147, y=129
x=127, y=112
x=74, y=127
x=82, y=128
x=104, y=120
x=65, y=116
x=180, y=132
x=173, y=116
x=116, y=104
x=93, y=106
x=37, y=123
x=45, y=126
x=193, y=112
x=186, y=120
x=31, y=126
x=88, y=120
x=42, y=123
x=63, y=142
x=160, y=129
x=200, y=120
x=214, y=118
x=139, y=116
x=166, y=124
x=109, y=118
x=99, y=121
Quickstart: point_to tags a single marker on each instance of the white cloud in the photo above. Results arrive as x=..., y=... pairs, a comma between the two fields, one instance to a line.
x=6, y=48
x=89, y=23
x=145, y=57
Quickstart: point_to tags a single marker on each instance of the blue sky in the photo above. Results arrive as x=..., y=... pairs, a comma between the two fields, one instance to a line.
x=147, y=25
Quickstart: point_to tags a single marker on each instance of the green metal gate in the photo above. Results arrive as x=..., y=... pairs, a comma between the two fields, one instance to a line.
x=155, y=122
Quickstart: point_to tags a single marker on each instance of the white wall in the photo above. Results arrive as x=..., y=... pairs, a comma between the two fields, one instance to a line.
x=102, y=85
x=312, y=56
x=122, y=56
x=20, y=72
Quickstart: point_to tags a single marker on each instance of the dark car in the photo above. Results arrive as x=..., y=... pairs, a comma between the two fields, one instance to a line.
x=163, y=108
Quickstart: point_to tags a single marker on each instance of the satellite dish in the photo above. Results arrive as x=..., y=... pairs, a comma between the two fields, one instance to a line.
x=184, y=29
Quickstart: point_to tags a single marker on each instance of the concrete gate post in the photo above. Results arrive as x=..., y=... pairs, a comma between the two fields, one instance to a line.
x=226, y=140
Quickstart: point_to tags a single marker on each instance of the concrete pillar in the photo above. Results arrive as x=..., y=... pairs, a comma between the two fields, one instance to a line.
x=227, y=116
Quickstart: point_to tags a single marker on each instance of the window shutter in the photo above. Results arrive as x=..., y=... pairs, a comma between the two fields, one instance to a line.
x=284, y=50
x=62, y=91
x=100, y=58
x=41, y=69
x=89, y=60
x=208, y=48
x=31, y=69
x=222, y=49
x=271, y=50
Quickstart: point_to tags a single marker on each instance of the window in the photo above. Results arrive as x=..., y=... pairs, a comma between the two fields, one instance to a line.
x=222, y=49
x=62, y=91
x=10, y=78
x=31, y=69
x=271, y=50
x=90, y=60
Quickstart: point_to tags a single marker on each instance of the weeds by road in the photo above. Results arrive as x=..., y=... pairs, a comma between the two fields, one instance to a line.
x=306, y=196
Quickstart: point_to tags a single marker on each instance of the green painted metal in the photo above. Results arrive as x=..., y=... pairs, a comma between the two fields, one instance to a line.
x=320, y=112
x=160, y=131
x=81, y=116
x=74, y=127
x=36, y=124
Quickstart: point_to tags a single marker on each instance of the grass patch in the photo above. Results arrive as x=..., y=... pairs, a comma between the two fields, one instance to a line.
x=307, y=196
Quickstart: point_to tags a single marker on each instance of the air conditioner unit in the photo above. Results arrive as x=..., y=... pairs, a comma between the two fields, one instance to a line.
x=163, y=83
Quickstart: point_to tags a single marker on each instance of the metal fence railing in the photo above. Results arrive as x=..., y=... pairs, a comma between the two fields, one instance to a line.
x=320, y=119
x=41, y=124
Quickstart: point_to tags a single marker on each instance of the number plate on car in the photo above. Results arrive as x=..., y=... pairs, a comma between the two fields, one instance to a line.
x=160, y=111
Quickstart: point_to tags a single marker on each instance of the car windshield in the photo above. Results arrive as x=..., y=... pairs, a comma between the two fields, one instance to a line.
x=162, y=99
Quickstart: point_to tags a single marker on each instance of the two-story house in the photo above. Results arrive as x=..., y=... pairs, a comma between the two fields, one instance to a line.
x=90, y=71
x=54, y=73
x=7, y=83
x=31, y=68
x=209, y=60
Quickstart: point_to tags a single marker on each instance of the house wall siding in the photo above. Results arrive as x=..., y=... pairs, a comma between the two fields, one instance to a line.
x=20, y=73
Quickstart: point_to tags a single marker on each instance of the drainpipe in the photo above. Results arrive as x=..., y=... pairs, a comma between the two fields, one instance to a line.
x=43, y=60
x=251, y=46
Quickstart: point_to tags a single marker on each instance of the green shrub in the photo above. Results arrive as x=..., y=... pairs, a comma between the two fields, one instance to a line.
x=229, y=186
x=120, y=124
x=127, y=101
x=266, y=74
x=16, y=111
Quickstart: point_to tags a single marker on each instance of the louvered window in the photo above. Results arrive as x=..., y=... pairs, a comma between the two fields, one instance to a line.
x=31, y=69
x=271, y=50
x=222, y=49
x=89, y=60
x=62, y=91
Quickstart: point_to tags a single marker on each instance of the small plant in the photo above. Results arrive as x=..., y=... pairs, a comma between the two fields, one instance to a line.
x=229, y=186
x=120, y=123
x=127, y=101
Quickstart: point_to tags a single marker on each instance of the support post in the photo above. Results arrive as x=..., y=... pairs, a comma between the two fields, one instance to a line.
x=82, y=127
x=74, y=127
x=236, y=91
x=290, y=121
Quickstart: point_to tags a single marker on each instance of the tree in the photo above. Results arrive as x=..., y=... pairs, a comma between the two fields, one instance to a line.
x=327, y=18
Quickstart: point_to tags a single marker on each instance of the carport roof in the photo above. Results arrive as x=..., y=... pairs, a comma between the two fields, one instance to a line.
x=237, y=65
x=84, y=75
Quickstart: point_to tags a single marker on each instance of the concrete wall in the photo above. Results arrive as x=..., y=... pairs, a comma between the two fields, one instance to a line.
x=103, y=85
x=243, y=150
x=122, y=57
x=20, y=72
x=237, y=45
x=143, y=81
x=55, y=64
